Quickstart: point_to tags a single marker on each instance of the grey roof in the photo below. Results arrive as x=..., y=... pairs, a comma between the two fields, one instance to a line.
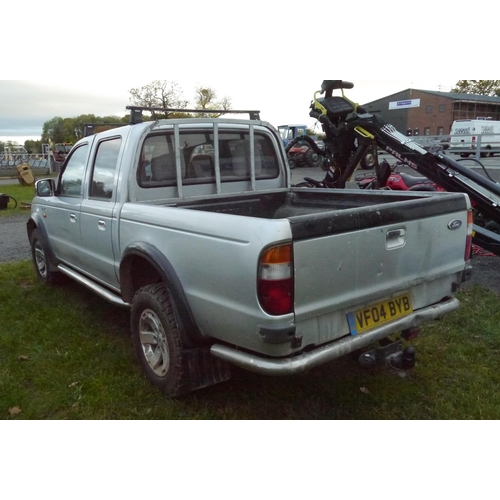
x=456, y=96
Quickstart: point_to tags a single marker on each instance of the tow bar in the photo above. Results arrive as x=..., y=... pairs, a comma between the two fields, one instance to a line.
x=392, y=354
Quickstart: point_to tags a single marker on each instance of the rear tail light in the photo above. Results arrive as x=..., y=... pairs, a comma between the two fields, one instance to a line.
x=468, y=240
x=275, y=280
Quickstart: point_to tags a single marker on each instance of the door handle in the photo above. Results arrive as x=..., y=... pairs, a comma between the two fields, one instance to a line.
x=101, y=224
x=73, y=218
x=395, y=238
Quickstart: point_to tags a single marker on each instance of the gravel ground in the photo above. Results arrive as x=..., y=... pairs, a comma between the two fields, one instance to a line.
x=14, y=246
x=14, y=243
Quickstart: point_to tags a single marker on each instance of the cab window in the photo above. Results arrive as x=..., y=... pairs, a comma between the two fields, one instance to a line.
x=103, y=172
x=71, y=179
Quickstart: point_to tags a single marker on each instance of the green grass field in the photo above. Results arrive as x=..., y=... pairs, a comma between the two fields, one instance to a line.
x=22, y=194
x=67, y=354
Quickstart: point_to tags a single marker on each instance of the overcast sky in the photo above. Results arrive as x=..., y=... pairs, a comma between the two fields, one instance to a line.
x=269, y=57
x=26, y=104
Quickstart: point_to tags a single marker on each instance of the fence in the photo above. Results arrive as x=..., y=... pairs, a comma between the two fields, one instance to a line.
x=10, y=162
x=478, y=145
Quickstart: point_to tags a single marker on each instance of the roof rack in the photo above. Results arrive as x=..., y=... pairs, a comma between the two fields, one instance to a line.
x=89, y=128
x=136, y=112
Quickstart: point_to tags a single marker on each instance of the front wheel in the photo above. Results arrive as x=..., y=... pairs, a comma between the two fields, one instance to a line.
x=157, y=339
x=41, y=261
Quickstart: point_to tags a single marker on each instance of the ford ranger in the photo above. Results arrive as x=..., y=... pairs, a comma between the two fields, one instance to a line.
x=195, y=226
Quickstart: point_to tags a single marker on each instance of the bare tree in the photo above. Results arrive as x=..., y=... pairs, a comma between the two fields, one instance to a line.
x=159, y=94
x=206, y=99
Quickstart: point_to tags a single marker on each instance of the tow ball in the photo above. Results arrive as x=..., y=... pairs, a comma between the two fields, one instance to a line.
x=392, y=355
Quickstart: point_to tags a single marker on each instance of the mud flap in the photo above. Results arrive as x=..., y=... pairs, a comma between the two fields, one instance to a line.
x=204, y=369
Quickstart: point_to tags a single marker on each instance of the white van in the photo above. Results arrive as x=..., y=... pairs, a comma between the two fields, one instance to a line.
x=466, y=135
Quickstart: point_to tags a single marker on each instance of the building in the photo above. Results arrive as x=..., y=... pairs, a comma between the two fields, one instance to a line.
x=427, y=112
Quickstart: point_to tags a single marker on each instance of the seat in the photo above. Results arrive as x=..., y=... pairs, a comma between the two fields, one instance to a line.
x=202, y=167
x=163, y=168
x=337, y=106
x=241, y=159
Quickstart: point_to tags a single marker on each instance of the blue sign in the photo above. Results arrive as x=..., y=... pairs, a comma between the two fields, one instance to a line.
x=409, y=103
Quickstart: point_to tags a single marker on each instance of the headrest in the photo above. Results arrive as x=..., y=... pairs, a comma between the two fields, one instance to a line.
x=241, y=159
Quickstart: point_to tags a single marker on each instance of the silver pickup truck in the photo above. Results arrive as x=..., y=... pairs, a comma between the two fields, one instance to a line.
x=194, y=225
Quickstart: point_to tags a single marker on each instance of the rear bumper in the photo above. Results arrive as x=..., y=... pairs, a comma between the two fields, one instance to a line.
x=303, y=362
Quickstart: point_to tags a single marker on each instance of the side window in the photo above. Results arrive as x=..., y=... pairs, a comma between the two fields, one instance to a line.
x=157, y=163
x=103, y=173
x=71, y=178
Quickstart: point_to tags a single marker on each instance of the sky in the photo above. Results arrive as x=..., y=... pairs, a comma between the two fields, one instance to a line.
x=265, y=57
x=26, y=104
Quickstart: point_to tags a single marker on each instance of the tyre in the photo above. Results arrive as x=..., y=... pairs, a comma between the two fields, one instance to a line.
x=312, y=159
x=326, y=164
x=157, y=339
x=41, y=262
x=368, y=161
x=291, y=163
x=493, y=226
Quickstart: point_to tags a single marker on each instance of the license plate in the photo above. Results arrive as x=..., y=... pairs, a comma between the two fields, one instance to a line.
x=378, y=314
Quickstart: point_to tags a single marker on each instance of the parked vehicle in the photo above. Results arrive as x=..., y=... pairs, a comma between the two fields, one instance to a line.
x=15, y=151
x=60, y=151
x=468, y=135
x=194, y=226
x=397, y=181
x=298, y=148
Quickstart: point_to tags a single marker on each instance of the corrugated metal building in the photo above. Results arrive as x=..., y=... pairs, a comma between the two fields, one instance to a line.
x=427, y=112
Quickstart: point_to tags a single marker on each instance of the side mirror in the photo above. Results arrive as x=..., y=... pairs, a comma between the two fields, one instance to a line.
x=45, y=187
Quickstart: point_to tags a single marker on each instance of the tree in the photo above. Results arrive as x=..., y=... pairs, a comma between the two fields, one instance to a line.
x=54, y=130
x=478, y=87
x=206, y=99
x=165, y=94
x=159, y=94
x=71, y=130
x=33, y=147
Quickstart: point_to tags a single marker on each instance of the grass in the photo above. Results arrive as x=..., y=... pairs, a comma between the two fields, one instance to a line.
x=67, y=354
x=22, y=194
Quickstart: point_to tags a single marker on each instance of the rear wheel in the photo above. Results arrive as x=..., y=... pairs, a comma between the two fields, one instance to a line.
x=157, y=339
x=313, y=160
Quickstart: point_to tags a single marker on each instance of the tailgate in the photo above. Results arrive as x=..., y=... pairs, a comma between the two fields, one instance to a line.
x=347, y=260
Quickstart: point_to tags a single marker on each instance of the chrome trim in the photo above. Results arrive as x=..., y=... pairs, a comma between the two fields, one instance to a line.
x=304, y=362
x=93, y=286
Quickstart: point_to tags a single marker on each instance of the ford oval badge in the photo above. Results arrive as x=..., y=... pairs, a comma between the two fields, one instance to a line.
x=455, y=224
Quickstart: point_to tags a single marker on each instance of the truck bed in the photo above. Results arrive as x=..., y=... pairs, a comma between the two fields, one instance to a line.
x=350, y=251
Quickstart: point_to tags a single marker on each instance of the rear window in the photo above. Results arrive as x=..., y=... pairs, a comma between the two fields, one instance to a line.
x=198, y=158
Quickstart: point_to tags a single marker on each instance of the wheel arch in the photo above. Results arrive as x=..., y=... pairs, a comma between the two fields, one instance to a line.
x=35, y=222
x=143, y=264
